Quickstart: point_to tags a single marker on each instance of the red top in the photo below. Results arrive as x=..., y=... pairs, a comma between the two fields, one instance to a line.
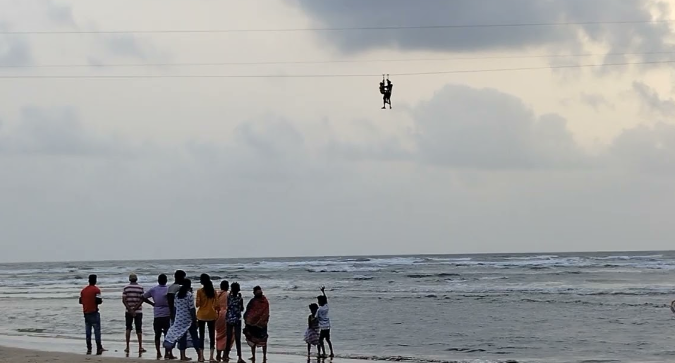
x=88, y=296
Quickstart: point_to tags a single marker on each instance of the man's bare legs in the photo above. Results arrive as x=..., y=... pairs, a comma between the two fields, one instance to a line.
x=128, y=339
x=140, y=342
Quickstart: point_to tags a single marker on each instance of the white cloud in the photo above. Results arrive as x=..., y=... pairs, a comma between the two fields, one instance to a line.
x=652, y=102
x=14, y=51
x=51, y=132
x=595, y=101
x=646, y=149
x=464, y=127
x=267, y=186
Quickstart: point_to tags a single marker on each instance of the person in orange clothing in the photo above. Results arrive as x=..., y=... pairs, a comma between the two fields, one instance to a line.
x=207, y=306
x=90, y=299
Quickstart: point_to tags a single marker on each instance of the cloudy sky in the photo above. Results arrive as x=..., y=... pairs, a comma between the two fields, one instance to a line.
x=570, y=159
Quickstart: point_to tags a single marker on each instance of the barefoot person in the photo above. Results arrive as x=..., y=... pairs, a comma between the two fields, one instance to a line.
x=132, y=298
x=179, y=276
x=235, y=304
x=256, y=318
x=162, y=321
x=324, y=324
x=185, y=321
x=90, y=299
x=207, y=302
x=312, y=332
x=221, y=321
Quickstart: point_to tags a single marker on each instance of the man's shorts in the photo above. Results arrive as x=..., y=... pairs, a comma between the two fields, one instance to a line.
x=134, y=320
x=324, y=334
x=161, y=325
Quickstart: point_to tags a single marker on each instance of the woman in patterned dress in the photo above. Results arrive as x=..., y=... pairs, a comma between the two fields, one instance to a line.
x=235, y=305
x=185, y=321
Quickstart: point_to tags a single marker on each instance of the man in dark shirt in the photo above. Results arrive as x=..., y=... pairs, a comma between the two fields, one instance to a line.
x=90, y=299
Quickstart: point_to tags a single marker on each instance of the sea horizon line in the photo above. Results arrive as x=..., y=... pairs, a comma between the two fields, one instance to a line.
x=361, y=256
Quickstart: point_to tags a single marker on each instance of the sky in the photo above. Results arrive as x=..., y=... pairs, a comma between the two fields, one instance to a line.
x=540, y=160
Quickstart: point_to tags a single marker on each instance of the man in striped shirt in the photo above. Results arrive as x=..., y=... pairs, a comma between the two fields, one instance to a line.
x=132, y=298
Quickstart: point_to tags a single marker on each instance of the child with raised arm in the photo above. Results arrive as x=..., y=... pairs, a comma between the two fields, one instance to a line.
x=324, y=324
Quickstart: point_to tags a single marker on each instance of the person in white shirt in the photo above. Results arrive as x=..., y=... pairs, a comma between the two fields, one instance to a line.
x=324, y=324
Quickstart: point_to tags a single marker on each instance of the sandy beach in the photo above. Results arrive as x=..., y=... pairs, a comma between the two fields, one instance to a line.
x=40, y=350
x=18, y=355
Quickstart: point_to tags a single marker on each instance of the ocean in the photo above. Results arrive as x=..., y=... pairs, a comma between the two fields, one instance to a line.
x=591, y=307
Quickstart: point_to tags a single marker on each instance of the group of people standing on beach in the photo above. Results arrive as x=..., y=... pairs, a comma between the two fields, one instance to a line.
x=179, y=315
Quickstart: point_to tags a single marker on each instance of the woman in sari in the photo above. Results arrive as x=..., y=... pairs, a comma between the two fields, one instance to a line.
x=185, y=321
x=256, y=318
x=221, y=322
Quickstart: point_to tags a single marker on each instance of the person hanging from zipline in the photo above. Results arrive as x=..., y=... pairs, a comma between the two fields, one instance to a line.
x=387, y=94
x=385, y=90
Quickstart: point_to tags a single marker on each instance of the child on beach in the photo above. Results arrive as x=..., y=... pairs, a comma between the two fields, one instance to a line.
x=312, y=332
x=324, y=324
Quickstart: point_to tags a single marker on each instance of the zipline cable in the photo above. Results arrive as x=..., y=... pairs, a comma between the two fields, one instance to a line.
x=200, y=64
x=409, y=74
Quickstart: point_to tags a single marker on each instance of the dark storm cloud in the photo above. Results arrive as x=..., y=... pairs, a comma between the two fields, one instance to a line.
x=373, y=13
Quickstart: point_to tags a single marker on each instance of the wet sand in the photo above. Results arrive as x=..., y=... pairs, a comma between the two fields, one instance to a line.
x=50, y=350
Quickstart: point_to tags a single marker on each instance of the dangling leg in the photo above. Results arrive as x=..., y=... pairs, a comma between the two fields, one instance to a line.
x=384, y=93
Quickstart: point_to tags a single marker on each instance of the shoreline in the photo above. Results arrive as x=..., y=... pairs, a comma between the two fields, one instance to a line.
x=24, y=349
x=32, y=349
